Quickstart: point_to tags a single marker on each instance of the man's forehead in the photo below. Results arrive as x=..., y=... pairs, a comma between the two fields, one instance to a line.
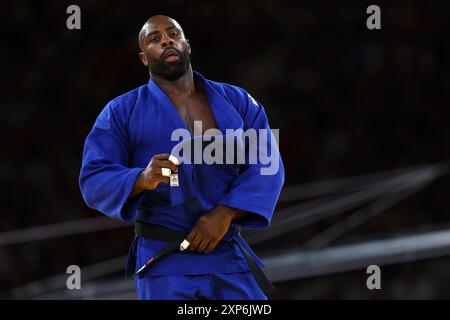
x=160, y=24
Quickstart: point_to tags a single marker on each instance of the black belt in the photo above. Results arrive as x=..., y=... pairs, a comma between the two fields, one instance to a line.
x=174, y=239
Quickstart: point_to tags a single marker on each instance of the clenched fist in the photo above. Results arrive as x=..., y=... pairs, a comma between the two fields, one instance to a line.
x=152, y=176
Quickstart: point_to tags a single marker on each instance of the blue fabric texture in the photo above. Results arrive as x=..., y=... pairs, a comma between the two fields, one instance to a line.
x=217, y=286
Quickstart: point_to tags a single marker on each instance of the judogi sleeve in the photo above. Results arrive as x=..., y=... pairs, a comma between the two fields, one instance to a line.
x=105, y=179
x=253, y=191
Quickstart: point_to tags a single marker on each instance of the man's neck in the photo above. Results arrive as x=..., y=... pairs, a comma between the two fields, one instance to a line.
x=182, y=87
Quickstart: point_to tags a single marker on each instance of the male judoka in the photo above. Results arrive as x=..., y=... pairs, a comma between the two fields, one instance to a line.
x=187, y=215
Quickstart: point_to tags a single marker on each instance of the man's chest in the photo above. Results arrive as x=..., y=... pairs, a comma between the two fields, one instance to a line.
x=195, y=109
x=158, y=127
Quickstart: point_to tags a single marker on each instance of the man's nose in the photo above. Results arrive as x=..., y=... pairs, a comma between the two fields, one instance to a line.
x=166, y=41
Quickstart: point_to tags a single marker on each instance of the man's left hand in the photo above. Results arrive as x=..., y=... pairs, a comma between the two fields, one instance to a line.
x=210, y=229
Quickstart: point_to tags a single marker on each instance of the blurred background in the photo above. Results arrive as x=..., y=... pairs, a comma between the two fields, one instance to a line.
x=363, y=118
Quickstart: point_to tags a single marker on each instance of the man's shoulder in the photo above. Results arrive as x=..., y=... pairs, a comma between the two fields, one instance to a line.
x=128, y=99
x=126, y=102
x=231, y=90
x=119, y=107
x=236, y=95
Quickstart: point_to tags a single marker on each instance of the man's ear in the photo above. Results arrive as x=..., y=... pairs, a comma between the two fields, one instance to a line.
x=188, y=45
x=143, y=59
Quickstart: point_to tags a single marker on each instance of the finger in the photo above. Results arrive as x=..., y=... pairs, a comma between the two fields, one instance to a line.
x=174, y=160
x=202, y=246
x=161, y=156
x=166, y=164
x=166, y=172
x=160, y=173
x=211, y=246
x=161, y=179
x=184, y=245
x=190, y=237
x=195, y=243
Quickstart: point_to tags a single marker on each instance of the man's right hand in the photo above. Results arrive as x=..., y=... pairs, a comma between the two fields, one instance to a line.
x=152, y=176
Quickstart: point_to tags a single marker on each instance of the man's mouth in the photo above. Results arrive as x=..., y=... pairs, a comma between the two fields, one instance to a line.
x=171, y=55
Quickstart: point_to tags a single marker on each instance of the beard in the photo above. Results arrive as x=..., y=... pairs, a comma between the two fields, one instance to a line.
x=170, y=71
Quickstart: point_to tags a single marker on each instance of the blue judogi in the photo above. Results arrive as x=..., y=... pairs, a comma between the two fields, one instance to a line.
x=130, y=130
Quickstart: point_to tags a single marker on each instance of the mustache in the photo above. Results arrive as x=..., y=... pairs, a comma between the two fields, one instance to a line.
x=170, y=50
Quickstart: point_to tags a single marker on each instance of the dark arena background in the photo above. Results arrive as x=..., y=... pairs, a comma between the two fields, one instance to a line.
x=363, y=118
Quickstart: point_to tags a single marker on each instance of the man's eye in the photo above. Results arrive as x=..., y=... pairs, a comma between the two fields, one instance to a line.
x=153, y=40
x=174, y=34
